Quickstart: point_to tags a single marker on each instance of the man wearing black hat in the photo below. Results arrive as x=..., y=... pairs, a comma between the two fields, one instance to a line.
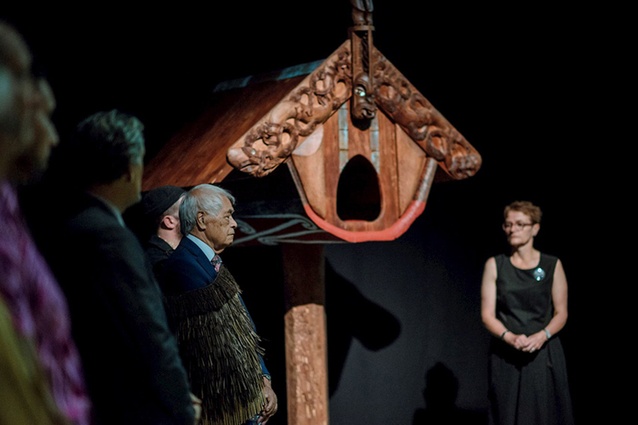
x=160, y=210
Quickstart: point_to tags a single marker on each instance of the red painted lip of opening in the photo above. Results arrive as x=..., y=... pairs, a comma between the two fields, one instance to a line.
x=399, y=227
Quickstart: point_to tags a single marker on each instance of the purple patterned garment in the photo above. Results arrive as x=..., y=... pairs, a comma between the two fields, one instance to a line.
x=39, y=309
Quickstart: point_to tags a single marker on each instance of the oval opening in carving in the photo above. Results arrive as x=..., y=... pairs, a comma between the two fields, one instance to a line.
x=358, y=193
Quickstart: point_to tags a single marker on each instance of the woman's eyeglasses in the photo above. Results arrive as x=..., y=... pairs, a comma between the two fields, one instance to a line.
x=515, y=226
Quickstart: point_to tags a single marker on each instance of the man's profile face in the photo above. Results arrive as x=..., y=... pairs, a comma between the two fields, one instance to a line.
x=220, y=229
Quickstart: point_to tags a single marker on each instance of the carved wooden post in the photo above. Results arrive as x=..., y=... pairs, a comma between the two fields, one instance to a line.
x=305, y=334
x=363, y=106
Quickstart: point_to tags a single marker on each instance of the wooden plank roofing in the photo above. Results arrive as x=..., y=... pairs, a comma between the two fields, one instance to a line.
x=197, y=154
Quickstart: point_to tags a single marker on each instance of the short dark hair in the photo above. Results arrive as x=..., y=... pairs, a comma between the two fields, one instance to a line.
x=101, y=148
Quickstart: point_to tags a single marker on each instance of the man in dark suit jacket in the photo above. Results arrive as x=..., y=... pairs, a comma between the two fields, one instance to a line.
x=218, y=342
x=133, y=370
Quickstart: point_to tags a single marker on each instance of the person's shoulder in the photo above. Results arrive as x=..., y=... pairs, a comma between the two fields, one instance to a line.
x=549, y=258
x=94, y=224
x=186, y=247
x=156, y=245
x=497, y=258
x=179, y=266
x=183, y=253
x=93, y=219
x=157, y=250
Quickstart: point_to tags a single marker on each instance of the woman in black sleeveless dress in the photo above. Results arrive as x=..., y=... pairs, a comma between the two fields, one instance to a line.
x=524, y=307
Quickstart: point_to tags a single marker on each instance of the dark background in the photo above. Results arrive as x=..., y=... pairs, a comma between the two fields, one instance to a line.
x=533, y=88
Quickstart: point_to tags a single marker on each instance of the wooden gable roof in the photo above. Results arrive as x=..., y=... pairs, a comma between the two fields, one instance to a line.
x=362, y=146
x=197, y=154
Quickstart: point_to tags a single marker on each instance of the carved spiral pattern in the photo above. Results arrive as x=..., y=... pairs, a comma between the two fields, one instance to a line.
x=416, y=115
x=271, y=142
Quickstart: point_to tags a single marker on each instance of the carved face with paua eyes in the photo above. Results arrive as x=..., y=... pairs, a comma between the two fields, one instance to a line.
x=363, y=107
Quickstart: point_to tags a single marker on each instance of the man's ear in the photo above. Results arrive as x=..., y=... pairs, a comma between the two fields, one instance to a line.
x=201, y=220
x=130, y=172
x=133, y=170
x=169, y=222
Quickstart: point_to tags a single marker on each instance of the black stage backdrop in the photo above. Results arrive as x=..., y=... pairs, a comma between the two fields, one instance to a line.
x=523, y=83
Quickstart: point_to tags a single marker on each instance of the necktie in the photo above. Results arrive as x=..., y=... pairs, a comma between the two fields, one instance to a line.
x=216, y=262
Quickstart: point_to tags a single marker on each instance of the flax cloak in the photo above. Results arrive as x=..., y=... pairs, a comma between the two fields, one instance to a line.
x=220, y=350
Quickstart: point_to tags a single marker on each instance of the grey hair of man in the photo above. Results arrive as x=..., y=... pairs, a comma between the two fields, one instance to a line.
x=204, y=197
x=101, y=148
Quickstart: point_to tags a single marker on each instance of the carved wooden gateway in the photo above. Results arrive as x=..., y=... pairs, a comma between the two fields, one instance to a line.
x=362, y=146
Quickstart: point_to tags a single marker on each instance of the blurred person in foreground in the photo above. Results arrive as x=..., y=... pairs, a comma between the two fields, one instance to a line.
x=524, y=307
x=131, y=360
x=218, y=341
x=41, y=380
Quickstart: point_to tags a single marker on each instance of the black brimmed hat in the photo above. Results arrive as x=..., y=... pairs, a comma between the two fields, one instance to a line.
x=157, y=200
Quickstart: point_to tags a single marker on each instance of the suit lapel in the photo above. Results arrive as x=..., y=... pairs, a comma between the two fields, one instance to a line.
x=200, y=257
